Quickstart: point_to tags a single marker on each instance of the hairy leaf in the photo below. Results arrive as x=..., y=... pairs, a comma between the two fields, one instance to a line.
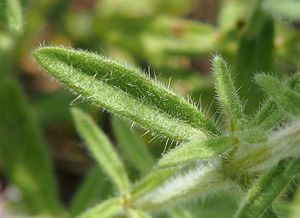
x=196, y=150
x=125, y=91
x=267, y=188
x=182, y=186
x=270, y=114
x=227, y=94
x=284, y=97
x=101, y=149
x=152, y=181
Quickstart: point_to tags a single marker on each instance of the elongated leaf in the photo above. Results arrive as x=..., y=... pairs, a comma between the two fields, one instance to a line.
x=196, y=150
x=181, y=186
x=92, y=189
x=23, y=152
x=11, y=13
x=267, y=188
x=227, y=94
x=101, y=149
x=132, y=146
x=255, y=53
x=284, y=97
x=270, y=114
x=108, y=209
x=125, y=91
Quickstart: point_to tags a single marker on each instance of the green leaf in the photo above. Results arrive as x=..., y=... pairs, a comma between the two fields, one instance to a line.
x=24, y=154
x=186, y=184
x=267, y=188
x=134, y=149
x=93, y=189
x=227, y=94
x=284, y=97
x=255, y=53
x=107, y=209
x=101, y=148
x=126, y=92
x=152, y=181
x=294, y=82
x=11, y=13
x=270, y=114
x=253, y=135
x=196, y=150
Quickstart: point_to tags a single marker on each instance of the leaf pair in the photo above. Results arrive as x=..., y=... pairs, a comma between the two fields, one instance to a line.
x=109, y=161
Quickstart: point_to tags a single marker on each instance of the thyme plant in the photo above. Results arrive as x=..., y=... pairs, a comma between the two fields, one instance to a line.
x=257, y=155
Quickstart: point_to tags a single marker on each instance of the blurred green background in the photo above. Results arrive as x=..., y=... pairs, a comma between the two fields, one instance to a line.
x=41, y=157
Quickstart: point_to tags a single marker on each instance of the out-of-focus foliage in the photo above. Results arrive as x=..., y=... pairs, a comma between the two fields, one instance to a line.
x=166, y=38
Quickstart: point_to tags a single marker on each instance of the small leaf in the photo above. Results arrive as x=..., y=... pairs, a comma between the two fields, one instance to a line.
x=126, y=92
x=132, y=146
x=270, y=114
x=285, y=98
x=196, y=150
x=101, y=149
x=92, y=189
x=267, y=188
x=107, y=209
x=184, y=185
x=11, y=13
x=179, y=186
x=227, y=93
